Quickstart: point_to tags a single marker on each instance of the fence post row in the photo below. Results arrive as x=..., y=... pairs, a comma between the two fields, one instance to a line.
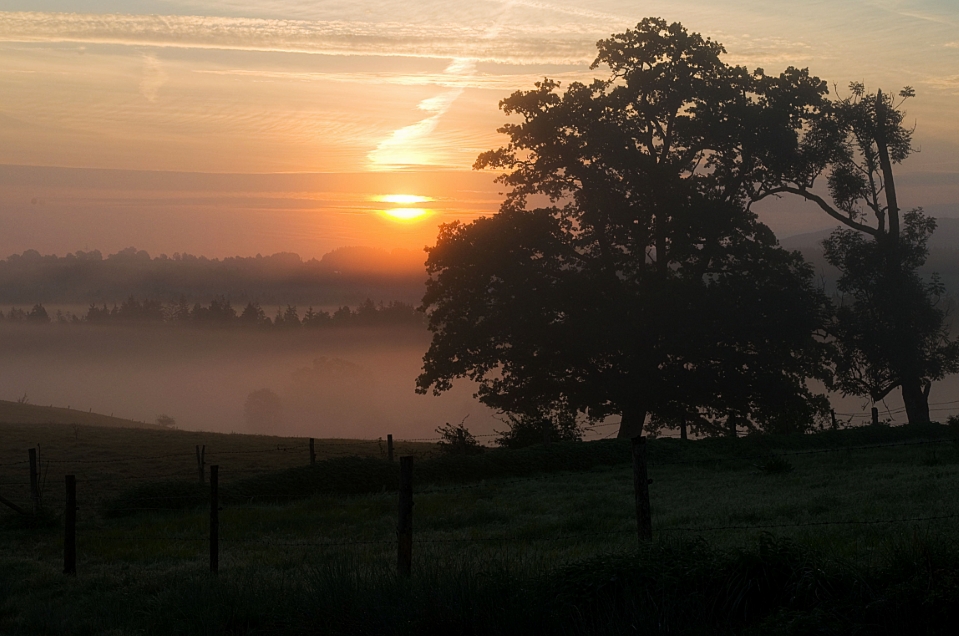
x=214, y=519
x=404, y=528
x=34, y=480
x=70, y=528
x=644, y=520
x=312, y=453
x=201, y=460
x=389, y=447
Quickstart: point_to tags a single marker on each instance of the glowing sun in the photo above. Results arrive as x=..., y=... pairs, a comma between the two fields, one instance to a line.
x=405, y=214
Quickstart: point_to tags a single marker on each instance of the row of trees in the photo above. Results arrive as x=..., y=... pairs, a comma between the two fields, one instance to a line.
x=647, y=288
x=348, y=274
x=220, y=312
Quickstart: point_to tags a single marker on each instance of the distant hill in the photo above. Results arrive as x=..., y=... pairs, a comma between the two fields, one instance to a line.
x=943, y=252
x=945, y=238
x=17, y=413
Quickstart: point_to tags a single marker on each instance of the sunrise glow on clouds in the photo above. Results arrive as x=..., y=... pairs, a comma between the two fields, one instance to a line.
x=382, y=86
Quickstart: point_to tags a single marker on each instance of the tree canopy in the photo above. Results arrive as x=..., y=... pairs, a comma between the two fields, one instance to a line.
x=624, y=273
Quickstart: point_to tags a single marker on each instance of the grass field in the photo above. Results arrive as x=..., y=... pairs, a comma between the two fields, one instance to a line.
x=848, y=531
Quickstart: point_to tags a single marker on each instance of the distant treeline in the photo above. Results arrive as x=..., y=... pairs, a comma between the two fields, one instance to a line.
x=346, y=275
x=221, y=313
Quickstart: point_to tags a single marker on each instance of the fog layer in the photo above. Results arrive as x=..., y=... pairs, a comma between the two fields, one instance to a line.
x=329, y=383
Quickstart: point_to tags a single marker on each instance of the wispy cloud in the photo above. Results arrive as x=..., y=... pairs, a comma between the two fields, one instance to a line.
x=946, y=82
x=579, y=12
x=154, y=76
x=513, y=44
x=499, y=82
x=410, y=145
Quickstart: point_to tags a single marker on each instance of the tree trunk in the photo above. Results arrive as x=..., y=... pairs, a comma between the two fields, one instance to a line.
x=889, y=183
x=634, y=417
x=731, y=426
x=916, y=400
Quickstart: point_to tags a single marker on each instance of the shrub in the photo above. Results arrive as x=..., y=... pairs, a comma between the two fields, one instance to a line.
x=529, y=429
x=457, y=440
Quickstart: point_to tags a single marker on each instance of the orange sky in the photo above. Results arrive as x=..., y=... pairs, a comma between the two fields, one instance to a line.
x=379, y=97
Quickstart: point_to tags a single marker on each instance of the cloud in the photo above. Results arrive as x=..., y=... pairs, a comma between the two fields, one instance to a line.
x=946, y=82
x=575, y=11
x=410, y=145
x=487, y=81
x=514, y=43
x=153, y=77
x=951, y=45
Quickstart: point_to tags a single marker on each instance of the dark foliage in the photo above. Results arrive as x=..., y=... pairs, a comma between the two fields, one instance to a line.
x=645, y=286
x=221, y=313
x=889, y=328
x=457, y=440
x=540, y=428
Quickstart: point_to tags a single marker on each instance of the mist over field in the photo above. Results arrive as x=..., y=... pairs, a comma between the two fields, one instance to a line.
x=344, y=382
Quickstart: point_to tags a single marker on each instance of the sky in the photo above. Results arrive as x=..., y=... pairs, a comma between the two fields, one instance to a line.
x=231, y=127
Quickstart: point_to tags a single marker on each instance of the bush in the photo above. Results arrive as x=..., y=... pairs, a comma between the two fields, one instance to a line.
x=529, y=429
x=457, y=440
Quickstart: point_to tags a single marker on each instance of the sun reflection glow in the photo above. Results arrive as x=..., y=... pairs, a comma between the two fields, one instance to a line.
x=407, y=214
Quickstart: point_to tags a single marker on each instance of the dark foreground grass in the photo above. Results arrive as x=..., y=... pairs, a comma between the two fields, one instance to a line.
x=865, y=540
x=771, y=587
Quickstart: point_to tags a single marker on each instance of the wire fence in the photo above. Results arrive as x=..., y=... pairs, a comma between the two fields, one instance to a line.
x=100, y=533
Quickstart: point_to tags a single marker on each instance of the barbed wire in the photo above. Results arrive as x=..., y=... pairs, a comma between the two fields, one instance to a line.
x=25, y=461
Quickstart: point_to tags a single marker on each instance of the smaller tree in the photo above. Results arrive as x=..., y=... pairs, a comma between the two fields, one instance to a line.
x=38, y=315
x=165, y=421
x=890, y=332
x=263, y=411
x=253, y=315
x=291, y=318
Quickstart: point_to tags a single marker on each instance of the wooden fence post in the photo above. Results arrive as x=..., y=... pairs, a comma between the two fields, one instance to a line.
x=214, y=519
x=875, y=416
x=389, y=447
x=70, y=528
x=312, y=453
x=404, y=529
x=832, y=414
x=34, y=481
x=644, y=520
x=682, y=428
x=201, y=460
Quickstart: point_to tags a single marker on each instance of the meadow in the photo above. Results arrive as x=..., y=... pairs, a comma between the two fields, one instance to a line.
x=842, y=532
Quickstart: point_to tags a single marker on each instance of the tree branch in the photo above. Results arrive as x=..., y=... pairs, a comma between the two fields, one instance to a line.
x=828, y=209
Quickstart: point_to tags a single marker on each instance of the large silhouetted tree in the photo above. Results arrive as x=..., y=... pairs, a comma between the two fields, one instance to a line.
x=624, y=274
x=889, y=330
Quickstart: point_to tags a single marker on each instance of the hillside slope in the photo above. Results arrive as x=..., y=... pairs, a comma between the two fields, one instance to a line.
x=17, y=413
